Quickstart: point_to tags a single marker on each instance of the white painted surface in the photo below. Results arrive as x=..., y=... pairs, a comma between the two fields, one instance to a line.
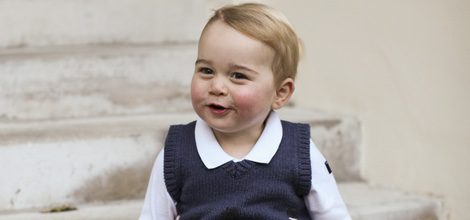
x=402, y=67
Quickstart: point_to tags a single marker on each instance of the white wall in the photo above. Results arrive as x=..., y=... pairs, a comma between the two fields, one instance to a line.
x=402, y=67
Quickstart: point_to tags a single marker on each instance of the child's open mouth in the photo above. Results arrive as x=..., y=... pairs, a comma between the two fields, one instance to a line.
x=219, y=109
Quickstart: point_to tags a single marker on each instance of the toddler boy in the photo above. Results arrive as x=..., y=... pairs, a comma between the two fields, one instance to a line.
x=239, y=160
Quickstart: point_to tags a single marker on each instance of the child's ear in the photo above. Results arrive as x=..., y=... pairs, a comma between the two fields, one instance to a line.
x=283, y=93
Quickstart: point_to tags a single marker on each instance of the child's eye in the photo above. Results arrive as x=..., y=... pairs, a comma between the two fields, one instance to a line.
x=237, y=75
x=205, y=70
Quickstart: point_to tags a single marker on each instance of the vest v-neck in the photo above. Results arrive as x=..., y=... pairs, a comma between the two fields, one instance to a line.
x=238, y=169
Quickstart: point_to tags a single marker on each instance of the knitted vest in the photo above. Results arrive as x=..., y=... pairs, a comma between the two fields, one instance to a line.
x=239, y=190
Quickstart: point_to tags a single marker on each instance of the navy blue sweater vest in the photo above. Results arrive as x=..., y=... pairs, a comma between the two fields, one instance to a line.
x=241, y=190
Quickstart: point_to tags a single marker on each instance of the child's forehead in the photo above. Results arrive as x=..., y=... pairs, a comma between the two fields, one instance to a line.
x=219, y=28
x=221, y=38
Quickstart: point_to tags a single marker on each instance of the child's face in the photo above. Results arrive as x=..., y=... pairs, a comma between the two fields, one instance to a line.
x=232, y=89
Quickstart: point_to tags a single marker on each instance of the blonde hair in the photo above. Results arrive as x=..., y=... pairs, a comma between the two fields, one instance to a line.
x=268, y=26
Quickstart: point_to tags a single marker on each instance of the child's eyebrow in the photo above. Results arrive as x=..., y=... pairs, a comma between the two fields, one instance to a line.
x=236, y=66
x=203, y=61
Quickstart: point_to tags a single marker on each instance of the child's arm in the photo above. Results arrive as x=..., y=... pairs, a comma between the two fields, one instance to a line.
x=324, y=201
x=158, y=204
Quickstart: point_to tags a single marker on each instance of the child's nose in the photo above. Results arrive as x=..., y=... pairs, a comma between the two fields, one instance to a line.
x=218, y=86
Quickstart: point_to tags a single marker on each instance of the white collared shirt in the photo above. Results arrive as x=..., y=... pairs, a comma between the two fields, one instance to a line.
x=323, y=201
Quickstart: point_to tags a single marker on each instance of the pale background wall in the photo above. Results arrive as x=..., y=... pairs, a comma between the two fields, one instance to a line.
x=402, y=67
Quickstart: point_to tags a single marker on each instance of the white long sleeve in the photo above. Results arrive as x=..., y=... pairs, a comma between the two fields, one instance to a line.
x=158, y=205
x=324, y=201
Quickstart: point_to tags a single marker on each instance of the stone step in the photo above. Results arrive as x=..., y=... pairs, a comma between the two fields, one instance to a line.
x=118, y=210
x=95, y=81
x=82, y=22
x=78, y=159
x=364, y=203
x=109, y=158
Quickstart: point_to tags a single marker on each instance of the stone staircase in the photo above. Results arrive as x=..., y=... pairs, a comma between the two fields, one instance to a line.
x=87, y=92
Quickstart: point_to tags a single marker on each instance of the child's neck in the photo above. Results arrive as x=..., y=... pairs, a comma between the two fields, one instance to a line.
x=239, y=144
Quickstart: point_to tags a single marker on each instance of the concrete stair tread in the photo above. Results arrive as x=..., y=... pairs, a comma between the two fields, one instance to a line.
x=364, y=202
x=94, y=81
x=120, y=210
x=98, y=127
x=110, y=49
x=367, y=202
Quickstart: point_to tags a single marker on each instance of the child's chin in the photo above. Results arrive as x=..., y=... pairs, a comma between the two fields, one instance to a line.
x=220, y=127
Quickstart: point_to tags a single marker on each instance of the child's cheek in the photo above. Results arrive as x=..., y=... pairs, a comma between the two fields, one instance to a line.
x=247, y=100
x=196, y=90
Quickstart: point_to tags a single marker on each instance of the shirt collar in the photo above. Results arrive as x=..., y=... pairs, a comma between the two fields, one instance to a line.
x=213, y=156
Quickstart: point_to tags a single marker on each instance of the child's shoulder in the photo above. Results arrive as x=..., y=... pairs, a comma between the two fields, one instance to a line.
x=183, y=125
x=294, y=124
x=175, y=131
